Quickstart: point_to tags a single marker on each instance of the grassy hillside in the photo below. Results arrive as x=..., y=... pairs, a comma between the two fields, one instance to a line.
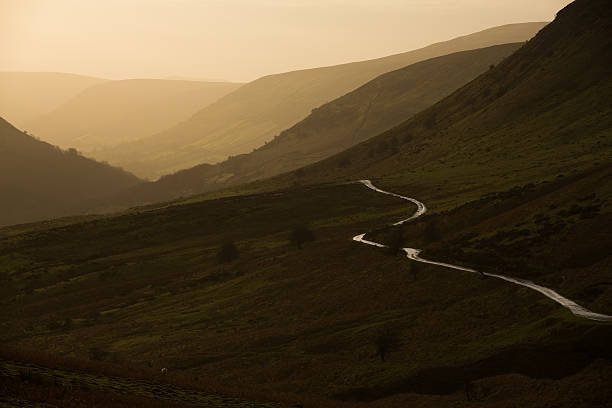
x=539, y=113
x=121, y=111
x=515, y=169
x=254, y=114
x=148, y=289
x=27, y=95
x=38, y=180
x=369, y=110
x=36, y=379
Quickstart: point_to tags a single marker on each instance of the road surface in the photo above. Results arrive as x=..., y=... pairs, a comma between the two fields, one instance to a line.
x=413, y=254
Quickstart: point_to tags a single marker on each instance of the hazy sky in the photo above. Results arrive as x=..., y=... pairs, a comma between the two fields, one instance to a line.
x=234, y=39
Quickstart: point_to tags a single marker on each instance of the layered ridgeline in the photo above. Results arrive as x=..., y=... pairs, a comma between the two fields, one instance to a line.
x=254, y=114
x=121, y=111
x=25, y=96
x=38, y=180
x=343, y=320
x=369, y=110
x=543, y=111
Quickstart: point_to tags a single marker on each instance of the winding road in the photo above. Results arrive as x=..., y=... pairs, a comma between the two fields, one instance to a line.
x=413, y=254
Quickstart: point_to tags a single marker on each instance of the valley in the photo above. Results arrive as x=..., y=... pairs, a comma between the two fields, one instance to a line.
x=428, y=229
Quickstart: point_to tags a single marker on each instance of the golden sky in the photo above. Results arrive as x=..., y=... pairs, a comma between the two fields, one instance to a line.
x=237, y=40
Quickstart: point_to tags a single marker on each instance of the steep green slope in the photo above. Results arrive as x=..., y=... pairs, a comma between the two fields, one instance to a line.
x=539, y=113
x=254, y=114
x=25, y=96
x=121, y=111
x=38, y=180
x=369, y=110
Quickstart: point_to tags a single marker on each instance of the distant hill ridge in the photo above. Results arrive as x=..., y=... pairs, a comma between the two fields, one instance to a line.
x=25, y=96
x=543, y=111
x=252, y=115
x=376, y=106
x=113, y=112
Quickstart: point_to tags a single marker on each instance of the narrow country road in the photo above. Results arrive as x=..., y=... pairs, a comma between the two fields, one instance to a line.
x=413, y=254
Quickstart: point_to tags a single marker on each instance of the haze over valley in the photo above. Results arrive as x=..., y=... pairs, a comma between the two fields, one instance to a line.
x=255, y=113
x=305, y=204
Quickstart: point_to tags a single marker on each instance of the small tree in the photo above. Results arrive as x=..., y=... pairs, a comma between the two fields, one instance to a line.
x=431, y=120
x=344, y=162
x=67, y=324
x=300, y=235
x=385, y=342
x=98, y=353
x=396, y=241
x=394, y=145
x=431, y=233
x=469, y=390
x=227, y=252
x=415, y=269
x=382, y=147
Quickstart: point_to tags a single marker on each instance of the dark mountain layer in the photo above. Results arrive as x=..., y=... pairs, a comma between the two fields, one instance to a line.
x=258, y=111
x=38, y=180
x=369, y=110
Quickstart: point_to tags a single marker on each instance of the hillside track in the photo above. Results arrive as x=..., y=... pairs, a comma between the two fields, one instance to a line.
x=413, y=254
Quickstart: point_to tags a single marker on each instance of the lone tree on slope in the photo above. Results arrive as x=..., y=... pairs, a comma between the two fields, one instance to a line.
x=396, y=241
x=415, y=269
x=227, y=252
x=300, y=235
x=386, y=341
x=431, y=233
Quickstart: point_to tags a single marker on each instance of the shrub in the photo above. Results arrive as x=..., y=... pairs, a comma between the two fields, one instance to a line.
x=431, y=233
x=98, y=353
x=502, y=91
x=396, y=241
x=300, y=235
x=386, y=341
x=382, y=147
x=227, y=253
x=415, y=269
x=29, y=376
x=394, y=145
x=430, y=121
x=344, y=162
x=54, y=325
x=67, y=324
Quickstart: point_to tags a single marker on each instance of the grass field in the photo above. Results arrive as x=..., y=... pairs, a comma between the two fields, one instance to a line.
x=146, y=289
x=79, y=388
x=515, y=169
